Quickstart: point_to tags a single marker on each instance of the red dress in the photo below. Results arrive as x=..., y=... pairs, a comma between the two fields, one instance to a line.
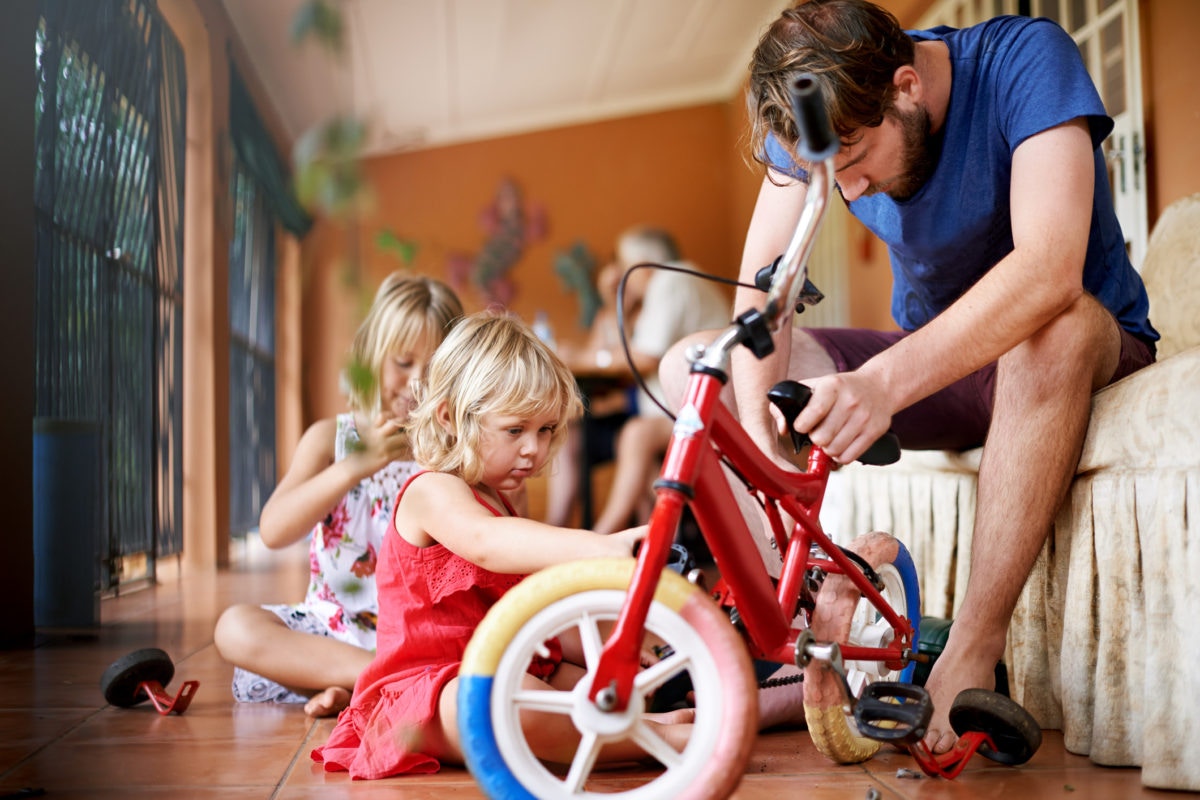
x=430, y=601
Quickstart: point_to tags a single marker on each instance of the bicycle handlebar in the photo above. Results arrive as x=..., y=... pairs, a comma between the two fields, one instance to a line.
x=817, y=142
x=817, y=146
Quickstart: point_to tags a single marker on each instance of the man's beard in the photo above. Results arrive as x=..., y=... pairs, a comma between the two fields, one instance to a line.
x=918, y=157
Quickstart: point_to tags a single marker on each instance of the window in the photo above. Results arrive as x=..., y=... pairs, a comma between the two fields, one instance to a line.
x=110, y=139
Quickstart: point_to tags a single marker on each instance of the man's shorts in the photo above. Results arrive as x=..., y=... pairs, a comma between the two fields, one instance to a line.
x=957, y=417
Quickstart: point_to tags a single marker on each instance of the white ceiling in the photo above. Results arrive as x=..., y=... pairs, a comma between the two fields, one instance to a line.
x=431, y=72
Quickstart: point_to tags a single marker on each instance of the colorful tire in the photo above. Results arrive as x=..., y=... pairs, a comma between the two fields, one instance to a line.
x=841, y=615
x=585, y=595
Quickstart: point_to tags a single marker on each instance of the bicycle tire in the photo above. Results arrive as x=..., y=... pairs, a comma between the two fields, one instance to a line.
x=838, y=605
x=588, y=593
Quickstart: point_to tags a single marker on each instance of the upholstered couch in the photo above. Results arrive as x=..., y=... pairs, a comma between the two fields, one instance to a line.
x=1105, y=641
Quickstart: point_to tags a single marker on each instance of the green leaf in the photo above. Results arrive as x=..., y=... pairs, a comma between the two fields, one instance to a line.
x=322, y=21
x=360, y=378
x=404, y=249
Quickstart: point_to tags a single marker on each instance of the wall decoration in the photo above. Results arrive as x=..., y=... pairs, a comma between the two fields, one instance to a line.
x=576, y=268
x=510, y=226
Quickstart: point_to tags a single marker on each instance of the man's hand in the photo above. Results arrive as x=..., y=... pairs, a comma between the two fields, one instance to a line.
x=847, y=413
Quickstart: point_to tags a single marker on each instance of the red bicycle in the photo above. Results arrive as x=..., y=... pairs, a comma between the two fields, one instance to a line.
x=847, y=616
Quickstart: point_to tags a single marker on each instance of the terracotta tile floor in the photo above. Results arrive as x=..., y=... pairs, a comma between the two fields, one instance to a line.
x=58, y=735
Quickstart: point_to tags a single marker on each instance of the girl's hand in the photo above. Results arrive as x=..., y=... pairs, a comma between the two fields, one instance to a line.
x=383, y=442
x=629, y=538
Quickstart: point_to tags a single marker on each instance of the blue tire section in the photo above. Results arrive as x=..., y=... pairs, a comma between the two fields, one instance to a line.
x=480, y=748
x=912, y=596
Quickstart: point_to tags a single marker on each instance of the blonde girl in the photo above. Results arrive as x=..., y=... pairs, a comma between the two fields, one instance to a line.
x=340, y=486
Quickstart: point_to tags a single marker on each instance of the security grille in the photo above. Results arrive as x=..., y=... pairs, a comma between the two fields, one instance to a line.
x=251, y=353
x=110, y=143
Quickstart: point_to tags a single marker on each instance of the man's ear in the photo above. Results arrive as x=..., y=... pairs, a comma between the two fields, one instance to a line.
x=442, y=414
x=909, y=90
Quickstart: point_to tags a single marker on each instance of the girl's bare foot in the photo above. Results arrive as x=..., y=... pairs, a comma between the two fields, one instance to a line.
x=327, y=703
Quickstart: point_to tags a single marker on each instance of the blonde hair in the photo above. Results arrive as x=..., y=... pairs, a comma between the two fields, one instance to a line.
x=488, y=364
x=409, y=313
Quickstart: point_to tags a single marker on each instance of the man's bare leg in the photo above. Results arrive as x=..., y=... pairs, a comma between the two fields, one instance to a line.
x=1042, y=406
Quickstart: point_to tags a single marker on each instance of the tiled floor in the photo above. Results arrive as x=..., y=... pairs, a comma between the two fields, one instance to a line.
x=57, y=735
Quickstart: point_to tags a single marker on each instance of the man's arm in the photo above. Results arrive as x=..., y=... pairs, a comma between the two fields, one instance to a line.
x=1051, y=197
x=775, y=215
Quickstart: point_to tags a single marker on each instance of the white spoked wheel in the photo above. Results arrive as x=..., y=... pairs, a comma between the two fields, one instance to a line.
x=843, y=616
x=586, y=597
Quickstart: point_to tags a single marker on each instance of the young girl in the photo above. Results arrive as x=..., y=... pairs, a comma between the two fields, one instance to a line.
x=340, y=486
x=494, y=409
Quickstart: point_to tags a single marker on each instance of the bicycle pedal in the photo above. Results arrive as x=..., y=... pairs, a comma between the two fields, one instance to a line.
x=893, y=712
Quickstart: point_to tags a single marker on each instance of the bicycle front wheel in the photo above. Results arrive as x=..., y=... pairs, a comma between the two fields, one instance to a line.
x=842, y=615
x=586, y=597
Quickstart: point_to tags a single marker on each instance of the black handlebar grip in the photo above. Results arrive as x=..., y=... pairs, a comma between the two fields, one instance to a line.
x=885, y=450
x=817, y=141
x=790, y=397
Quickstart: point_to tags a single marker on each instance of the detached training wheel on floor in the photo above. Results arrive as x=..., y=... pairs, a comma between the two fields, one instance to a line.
x=140, y=676
x=1013, y=730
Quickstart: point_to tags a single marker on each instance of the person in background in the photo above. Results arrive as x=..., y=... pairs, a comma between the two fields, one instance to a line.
x=611, y=399
x=339, y=488
x=673, y=304
x=974, y=155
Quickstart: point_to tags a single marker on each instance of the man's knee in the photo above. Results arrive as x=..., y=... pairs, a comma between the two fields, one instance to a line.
x=674, y=366
x=1083, y=343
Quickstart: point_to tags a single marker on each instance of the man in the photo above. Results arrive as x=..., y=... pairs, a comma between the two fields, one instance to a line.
x=974, y=155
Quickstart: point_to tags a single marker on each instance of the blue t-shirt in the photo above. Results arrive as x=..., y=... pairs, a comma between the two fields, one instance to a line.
x=1013, y=77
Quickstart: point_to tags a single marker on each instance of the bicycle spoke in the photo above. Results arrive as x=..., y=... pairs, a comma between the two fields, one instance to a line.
x=589, y=635
x=656, y=746
x=656, y=675
x=549, y=701
x=581, y=765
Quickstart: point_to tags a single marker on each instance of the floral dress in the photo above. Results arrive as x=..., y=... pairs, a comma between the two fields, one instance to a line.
x=341, y=601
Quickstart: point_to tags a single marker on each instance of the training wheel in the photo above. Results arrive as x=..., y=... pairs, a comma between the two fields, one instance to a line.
x=1012, y=729
x=140, y=676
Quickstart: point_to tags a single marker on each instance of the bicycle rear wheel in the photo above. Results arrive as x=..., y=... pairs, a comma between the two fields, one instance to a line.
x=585, y=596
x=842, y=615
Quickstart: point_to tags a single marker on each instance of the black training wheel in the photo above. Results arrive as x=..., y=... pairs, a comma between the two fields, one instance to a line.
x=121, y=680
x=1012, y=728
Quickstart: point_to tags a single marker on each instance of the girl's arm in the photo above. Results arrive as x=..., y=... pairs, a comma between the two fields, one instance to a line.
x=314, y=482
x=440, y=508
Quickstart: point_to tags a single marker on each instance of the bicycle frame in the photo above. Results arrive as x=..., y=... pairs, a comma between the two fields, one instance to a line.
x=705, y=431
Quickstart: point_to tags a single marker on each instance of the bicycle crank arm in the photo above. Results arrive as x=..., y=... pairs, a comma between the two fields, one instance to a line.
x=808, y=649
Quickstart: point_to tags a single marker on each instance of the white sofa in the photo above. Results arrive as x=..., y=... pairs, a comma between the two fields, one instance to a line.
x=1105, y=641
